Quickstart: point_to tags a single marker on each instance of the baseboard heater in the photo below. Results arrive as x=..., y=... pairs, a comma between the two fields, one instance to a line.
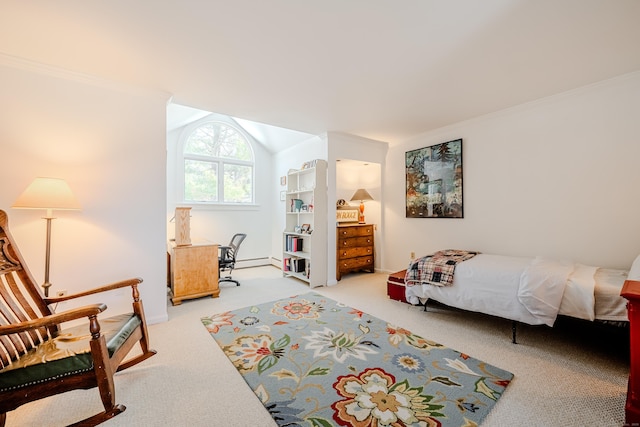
x=252, y=262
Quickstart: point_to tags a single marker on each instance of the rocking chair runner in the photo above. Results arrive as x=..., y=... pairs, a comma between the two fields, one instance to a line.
x=38, y=359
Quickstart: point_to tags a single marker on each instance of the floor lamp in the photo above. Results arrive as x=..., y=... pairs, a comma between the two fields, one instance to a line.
x=49, y=194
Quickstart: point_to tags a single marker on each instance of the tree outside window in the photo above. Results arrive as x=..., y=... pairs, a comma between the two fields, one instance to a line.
x=218, y=165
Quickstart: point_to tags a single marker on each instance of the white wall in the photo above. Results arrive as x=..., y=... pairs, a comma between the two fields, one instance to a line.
x=108, y=143
x=219, y=223
x=352, y=175
x=557, y=177
x=292, y=158
x=330, y=147
x=343, y=146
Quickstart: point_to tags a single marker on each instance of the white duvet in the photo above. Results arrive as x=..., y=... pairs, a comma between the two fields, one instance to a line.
x=528, y=290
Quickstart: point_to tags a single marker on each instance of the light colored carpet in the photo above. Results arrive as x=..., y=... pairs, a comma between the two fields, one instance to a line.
x=563, y=376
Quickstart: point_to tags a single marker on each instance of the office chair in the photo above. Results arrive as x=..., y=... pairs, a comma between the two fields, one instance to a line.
x=227, y=258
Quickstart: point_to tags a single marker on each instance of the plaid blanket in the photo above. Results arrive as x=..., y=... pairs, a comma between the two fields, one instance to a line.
x=436, y=269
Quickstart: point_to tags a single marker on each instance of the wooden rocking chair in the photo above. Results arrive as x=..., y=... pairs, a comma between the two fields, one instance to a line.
x=38, y=359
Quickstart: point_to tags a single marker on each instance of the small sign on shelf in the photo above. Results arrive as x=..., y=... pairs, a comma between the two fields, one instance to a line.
x=347, y=215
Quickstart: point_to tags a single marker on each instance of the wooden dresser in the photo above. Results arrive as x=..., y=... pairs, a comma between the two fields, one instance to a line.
x=631, y=291
x=354, y=248
x=193, y=271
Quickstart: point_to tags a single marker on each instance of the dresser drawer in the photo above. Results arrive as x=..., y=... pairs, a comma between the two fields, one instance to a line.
x=365, y=262
x=354, y=252
x=354, y=231
x=354, y=249
x=353, y=242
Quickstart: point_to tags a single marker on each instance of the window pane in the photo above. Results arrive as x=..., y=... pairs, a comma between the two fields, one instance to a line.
x=237, y=184
x=200, y=181
x=218, y=140
x=201, y=141
x=205, y=153
x=231, y=144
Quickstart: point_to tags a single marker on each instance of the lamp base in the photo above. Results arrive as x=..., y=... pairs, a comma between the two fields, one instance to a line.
x=361, y=214
x=46, y=287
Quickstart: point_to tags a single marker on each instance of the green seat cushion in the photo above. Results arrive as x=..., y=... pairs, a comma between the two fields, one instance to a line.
x=67, y=354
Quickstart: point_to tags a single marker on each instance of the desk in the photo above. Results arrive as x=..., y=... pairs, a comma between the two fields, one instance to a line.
x=193, y=270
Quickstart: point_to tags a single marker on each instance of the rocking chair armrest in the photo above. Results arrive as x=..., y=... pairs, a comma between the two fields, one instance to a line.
x=54, y=319
x=116, y=285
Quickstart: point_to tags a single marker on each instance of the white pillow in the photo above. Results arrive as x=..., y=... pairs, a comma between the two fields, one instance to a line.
x=634, y=273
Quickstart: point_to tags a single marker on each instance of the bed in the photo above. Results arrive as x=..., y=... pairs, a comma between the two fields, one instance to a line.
x=529, y=290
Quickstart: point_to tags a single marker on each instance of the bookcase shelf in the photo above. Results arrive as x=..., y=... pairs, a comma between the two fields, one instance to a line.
x=304, y=242
x=299, y=254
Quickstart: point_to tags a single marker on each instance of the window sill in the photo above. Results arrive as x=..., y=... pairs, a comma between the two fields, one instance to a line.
x=221, y=206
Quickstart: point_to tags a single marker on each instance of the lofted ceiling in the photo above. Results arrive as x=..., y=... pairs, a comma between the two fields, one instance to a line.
x=274, y=138
x=380, y=69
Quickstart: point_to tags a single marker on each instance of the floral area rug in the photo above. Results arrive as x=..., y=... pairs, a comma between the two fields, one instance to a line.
x=315, y=362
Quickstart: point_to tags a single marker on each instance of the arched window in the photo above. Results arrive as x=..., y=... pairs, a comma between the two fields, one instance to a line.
x=218, y=165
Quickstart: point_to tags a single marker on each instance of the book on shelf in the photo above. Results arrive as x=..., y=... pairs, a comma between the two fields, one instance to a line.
x=294, y=244
x=298, y=265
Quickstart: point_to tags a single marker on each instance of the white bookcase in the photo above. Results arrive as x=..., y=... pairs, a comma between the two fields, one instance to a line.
x=305, y=252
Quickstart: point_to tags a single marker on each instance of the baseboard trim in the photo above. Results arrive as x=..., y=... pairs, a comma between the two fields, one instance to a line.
x=253, y=262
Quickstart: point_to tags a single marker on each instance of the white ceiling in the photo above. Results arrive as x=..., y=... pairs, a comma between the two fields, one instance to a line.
x=381, y=69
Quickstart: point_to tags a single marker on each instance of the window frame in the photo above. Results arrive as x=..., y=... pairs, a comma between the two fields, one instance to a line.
x=220, y=161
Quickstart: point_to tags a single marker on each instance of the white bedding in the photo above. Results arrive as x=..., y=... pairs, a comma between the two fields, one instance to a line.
x=609, y=304
x=530, y=290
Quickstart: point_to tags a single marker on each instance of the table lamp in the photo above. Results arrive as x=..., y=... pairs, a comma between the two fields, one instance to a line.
x=362, y=195
x=49, y=194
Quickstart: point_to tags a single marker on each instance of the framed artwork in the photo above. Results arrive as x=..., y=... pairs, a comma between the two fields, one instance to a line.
x=283, y=195
x=434, y=181
x=283, y=180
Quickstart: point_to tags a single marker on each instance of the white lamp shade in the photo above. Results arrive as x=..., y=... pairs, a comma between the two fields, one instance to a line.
x=361, y=194
x=47, y=193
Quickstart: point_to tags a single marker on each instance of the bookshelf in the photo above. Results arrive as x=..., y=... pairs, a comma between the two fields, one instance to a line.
x=305, y=235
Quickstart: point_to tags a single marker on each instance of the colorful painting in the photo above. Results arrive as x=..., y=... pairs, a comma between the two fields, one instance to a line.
x=434, y=181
